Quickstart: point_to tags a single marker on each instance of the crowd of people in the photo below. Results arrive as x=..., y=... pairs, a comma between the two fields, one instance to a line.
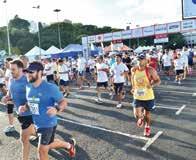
x=37, y=90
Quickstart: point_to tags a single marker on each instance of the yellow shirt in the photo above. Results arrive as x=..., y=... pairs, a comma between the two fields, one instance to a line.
x=141, y=92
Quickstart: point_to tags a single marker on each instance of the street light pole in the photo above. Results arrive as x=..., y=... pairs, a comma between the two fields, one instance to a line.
x=59, y=34
x=39, y=37
x=8, y=34
x=138, y=41
x=129, y=38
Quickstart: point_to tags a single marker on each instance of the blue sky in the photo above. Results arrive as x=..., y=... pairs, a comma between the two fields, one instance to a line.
x=115, y=13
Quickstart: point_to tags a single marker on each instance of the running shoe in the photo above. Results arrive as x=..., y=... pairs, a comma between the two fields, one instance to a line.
x=99, y=100
x=9, y=129
x=119, y=106
x=72, y=150
x=147, y=131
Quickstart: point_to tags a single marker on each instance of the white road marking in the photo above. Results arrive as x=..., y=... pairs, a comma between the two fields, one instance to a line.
x=106, y=130
x=180, y=110
x=194, y=94
x=123, y=103
x=152, y=140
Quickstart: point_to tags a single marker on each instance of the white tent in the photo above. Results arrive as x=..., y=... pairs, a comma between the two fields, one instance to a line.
x=53, y=50
x=35, y=51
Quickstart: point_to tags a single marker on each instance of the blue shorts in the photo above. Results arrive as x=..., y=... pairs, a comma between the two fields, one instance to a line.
x=46, y=135
x=148, y=105
x=64, y=83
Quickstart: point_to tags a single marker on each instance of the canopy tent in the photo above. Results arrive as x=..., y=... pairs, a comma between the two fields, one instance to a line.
x=36, y=51
x=72, y=50
x=123, y=48
x=140, y=48
x=53, y=50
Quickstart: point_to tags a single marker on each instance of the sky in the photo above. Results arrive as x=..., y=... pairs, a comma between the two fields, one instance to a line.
x=114, y=13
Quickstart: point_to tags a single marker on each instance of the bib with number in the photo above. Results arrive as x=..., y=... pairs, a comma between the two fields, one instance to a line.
x=140, y=92
x=34, y=107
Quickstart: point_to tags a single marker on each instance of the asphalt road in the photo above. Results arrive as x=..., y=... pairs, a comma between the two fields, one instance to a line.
x=106, y=133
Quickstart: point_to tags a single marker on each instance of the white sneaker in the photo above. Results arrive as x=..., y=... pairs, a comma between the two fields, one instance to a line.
x=111, y=95
x=98, y=100
x=119, y=105
x=179, y=82
x=9, y=129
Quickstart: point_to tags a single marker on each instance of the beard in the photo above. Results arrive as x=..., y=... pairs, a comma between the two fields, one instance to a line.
x=33, y=79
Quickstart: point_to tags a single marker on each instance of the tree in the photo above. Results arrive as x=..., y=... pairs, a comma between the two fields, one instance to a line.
x=19, y=23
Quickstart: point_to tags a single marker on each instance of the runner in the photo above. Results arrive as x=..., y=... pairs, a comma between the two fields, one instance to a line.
x=81, y=66
x=49, y=70
x=119, y=72
x=167, y=63
x=143, y=80
x=17, y=92
x=64, y=78
x=102, y=78
x=184, y=57
x=179, y=68
x=10, y=106
x=42, y=97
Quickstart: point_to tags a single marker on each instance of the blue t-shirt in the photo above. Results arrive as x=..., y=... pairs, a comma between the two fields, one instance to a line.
x=39, y=99
x=17, y=90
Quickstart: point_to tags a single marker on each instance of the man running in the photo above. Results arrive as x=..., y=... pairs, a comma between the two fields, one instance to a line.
x=42, y=97
x=167, y=63
x=64, y=78
x=17, y=92
x=10, y=106
x=102, y=70
x=119, y=71
x=143, y=80
x=179, y=68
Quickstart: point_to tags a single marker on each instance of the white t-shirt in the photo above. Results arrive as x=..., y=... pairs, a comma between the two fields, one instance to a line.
x=81, y=63
x=178, y=64
x=49, y=69
x=63, y=76
x=2, y=79
x=184, y=58
x=166, y=60
x=101, y=75
x=91, y=64
x=8, y=75
x=118, y=69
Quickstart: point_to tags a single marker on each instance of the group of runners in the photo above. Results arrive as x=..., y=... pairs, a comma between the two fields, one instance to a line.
x=37, y=90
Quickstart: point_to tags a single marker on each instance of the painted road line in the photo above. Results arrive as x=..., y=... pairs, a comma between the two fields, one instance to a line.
x=194, y=94
x=106, y=130
x=123, y=103
x=152, y=140
x=180, y=110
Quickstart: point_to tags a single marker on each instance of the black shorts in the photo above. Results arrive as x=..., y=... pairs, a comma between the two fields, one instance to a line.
x=167, y=68
x=118, y=87
x=50, y=78
x=148, y=105
x=10, y=108
x=46, y=135
x=64, y=83
x=25, y=121
x=179, y=72
x=102, y=84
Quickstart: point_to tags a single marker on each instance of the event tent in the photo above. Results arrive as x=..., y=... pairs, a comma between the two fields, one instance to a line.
x=53, y=50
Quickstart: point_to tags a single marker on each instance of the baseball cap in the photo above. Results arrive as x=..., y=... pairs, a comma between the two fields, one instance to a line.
x=35, y=66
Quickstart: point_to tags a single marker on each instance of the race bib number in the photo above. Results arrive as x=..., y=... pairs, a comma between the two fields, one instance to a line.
x=34, y=107
x=140, y=92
